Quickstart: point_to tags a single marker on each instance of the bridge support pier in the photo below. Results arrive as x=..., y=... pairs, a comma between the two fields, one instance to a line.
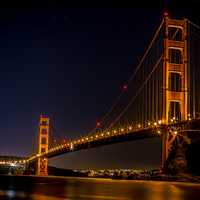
x=43, y=143
x=167, y=142
x=164, y=148
x=174, y=147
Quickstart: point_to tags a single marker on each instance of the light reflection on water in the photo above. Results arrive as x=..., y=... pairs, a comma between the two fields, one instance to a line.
x=17, y=188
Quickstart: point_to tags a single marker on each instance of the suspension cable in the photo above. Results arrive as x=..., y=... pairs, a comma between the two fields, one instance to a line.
x=131, y=78
x=138, y=91
x=195, y=25
x=134, y=73
x=146, y=52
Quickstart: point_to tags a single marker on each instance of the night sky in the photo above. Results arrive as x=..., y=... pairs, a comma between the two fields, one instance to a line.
x=70, y=62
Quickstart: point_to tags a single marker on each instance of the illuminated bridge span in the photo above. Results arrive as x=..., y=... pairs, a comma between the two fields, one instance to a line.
x=161, y=98
x=111, y=136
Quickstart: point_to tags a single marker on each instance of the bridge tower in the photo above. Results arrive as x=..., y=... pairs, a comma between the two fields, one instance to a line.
x=43, y=143
x=175, y=76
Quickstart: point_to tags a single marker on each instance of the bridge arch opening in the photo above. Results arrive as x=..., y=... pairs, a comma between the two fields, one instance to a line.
x=175, y=33
x=175, y=56
x=175, y=81
x=43, y=140
x=174, y=111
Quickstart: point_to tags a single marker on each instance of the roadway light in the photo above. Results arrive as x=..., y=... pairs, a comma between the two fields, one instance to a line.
x=130, y=127
x=189, y=117
x=71, y=146
x=175, y=132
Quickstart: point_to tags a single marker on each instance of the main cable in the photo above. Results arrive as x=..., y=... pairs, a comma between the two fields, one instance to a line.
x=133, y=75
x=137, y=93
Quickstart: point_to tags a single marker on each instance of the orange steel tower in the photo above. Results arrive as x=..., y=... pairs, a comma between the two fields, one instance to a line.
x=175, y=76
x=43, y=143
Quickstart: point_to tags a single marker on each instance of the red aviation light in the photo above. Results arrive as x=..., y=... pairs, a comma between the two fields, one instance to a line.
x=125, y=87
x=166, y=13
x=98, y=124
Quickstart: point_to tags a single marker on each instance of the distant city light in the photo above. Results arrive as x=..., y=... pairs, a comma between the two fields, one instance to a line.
x=12, y=164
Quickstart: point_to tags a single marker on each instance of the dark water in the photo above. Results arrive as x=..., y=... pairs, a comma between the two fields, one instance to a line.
x=93, y=189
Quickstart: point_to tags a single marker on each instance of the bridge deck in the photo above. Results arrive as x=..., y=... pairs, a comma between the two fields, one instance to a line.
x=117, y=136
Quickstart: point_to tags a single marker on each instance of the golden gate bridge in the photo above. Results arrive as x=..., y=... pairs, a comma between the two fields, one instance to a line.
x=161, y=99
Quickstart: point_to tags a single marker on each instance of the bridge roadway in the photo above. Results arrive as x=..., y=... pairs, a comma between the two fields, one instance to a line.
x=120, y=135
